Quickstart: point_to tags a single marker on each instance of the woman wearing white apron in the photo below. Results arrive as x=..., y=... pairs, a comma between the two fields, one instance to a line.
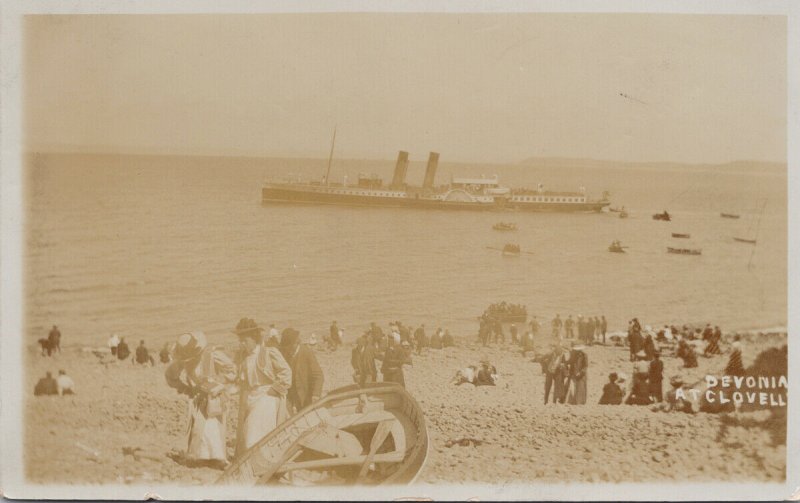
x=201, y=372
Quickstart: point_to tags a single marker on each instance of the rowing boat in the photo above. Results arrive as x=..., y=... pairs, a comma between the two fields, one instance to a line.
x=683, y=251
x=678, y=235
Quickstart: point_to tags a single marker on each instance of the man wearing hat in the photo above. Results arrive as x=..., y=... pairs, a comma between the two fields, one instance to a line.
x=264, y=378
x=201, y=372
x=307, y=377
x=363, y=361
x=655, y=375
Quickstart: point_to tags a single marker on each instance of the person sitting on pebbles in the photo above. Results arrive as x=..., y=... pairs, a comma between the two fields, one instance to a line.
x=487, y=375
x=640, y=390
x=612, y=393
x=674, y=403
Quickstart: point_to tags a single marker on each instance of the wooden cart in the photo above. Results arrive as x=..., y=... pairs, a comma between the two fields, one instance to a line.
x=353, y=435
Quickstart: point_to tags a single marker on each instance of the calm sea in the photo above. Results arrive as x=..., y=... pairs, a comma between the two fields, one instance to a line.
x=150, y=247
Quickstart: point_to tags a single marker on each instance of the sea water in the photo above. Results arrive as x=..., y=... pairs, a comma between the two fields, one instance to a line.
x=150, y=247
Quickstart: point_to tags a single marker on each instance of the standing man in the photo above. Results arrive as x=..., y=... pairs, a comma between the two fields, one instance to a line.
x=535, y=326
x=550, y=367
x=419, y=339
x=334, y=330
x=556, y=324
x=54, y=338
x=603, y=327
x=363, y=361
x=513, y=330
x=569, y=326
x=655, y=375
x=590, y=327
x=498, y=331
x=307, y=377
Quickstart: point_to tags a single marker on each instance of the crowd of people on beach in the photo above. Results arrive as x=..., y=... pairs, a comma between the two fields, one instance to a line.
x=276, y=375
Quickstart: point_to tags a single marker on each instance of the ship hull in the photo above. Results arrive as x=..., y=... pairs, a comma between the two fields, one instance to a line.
x=281, y=195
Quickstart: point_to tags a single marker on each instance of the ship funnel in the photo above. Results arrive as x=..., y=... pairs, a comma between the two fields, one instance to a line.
x=430, y=171
x=400, y=170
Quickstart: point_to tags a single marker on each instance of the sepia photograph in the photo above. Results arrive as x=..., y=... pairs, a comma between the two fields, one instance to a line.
x=467, y=252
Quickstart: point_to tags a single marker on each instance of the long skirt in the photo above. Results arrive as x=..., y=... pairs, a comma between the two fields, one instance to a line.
x=206, y=435
x=578, y=393
x=264, y=413
x=395, y=375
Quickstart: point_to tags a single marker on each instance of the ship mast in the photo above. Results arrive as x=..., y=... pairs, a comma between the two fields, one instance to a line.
x=330, y=158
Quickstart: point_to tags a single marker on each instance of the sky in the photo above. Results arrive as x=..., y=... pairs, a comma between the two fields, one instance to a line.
x=474, y=87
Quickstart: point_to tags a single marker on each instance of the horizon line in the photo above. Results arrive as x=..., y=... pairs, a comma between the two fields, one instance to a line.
x=422, y=160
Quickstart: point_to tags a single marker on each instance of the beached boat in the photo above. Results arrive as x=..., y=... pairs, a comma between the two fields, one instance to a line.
x=662, y=216
x=503, y=226
x=728, y=215
x=683, y=236
x=683, y=251
x=353, y=435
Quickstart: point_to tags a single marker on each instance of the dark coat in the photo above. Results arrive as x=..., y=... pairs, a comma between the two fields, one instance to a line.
x=123, y=351
x=142, y=355
x=307, y=377
x=46, y=386
x=392, y=368
x=484, y=377
x=612, y=394
x=364, y=364
x=655, y=372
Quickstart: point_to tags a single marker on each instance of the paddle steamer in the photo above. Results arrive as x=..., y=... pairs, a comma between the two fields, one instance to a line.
x=459, y=194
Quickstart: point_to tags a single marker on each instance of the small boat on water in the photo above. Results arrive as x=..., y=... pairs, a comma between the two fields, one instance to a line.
x=616, y=247
x=503, y=226
x=749, y=229
x=623, y=214
x=682, y=236
x=662, y=216
x=616, y=210
x=683, y=251
x=728, y=215
x=511, y=249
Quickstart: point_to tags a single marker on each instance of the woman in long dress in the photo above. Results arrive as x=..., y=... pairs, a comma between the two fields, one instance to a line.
x=201, y=372
x=264, y=378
